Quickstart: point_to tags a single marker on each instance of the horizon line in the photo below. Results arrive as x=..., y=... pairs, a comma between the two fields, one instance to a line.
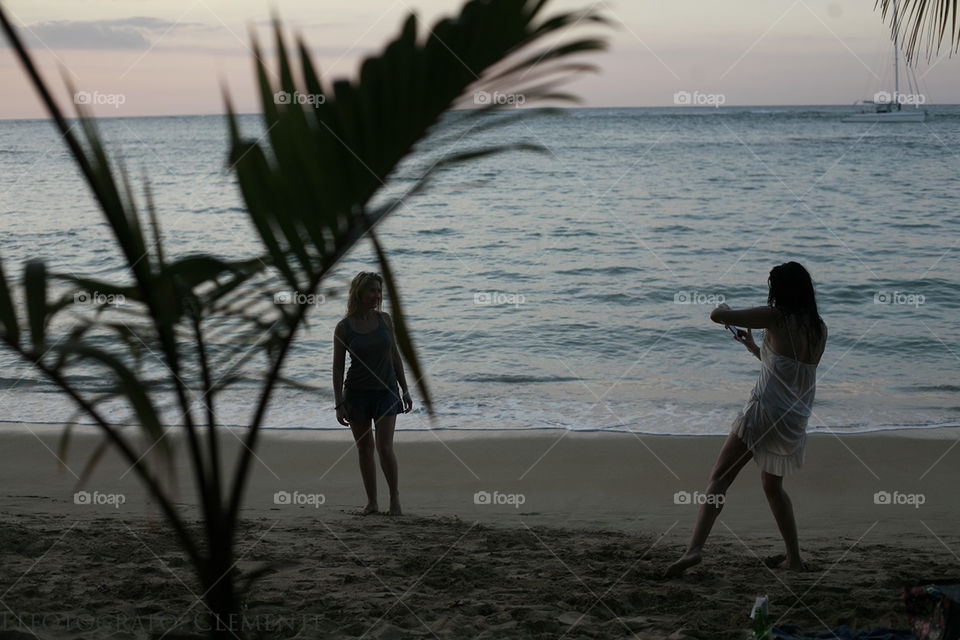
x=695, y=108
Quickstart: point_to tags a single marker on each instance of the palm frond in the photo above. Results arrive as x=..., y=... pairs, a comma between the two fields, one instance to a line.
x=308, y=191
x=333, y=153
x=8, y=316
x=922, y=24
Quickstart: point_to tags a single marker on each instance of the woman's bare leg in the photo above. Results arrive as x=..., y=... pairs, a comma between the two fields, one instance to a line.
x=733, y=456
x=388, y=459
x=363, y=436
x=782, y=510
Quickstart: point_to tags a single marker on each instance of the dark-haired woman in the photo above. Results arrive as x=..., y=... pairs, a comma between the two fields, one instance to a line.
x=771, y=428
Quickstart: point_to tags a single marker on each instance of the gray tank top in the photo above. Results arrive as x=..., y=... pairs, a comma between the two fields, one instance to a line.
x=371, y=359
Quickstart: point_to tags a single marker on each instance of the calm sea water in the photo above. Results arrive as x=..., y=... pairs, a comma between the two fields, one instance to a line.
x=571, y=289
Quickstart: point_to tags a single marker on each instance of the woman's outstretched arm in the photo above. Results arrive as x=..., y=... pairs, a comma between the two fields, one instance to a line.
x=753, y=318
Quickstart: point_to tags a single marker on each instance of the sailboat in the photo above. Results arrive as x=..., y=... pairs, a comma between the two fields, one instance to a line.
x=886, y=107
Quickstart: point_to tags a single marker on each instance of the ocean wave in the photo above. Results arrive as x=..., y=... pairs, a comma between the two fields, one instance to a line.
x=442, y=231
x=617, y=270
x=931, y=387
x=515, y=379
x=15, y=425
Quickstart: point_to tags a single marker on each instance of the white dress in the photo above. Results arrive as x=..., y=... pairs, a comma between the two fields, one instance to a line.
x=773, y=423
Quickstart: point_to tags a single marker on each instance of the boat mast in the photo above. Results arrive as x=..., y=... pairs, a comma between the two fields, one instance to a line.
x=896, y=60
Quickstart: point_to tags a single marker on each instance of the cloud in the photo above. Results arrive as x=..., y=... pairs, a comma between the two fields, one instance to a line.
x=126, y=33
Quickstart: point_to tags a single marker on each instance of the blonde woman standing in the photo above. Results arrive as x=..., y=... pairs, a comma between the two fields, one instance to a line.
x=368, y=400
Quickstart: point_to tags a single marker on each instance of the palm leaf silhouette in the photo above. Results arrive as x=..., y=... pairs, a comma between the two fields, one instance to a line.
x=308, y=188
x=922, y=23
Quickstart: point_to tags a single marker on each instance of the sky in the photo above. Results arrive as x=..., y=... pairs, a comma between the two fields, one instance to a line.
x=169, y=57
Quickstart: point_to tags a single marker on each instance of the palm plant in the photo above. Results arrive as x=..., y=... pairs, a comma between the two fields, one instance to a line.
x=308, y=190
x=926, y=23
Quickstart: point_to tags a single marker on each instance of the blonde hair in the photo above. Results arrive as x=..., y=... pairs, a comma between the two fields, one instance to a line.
x=358, y=284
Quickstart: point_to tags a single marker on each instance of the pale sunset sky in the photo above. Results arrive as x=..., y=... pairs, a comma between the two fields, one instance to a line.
x=167, y=57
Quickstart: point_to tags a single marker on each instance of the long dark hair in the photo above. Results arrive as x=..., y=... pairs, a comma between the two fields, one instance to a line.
x=791, y=292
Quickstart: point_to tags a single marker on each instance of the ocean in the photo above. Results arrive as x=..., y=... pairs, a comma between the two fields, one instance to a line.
x=570, y=289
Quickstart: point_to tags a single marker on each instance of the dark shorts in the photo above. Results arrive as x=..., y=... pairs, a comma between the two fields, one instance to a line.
x=370, y=404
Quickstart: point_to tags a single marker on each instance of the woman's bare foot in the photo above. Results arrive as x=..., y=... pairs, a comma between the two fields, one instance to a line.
x=371, y=508
x=395, y=509
x=689, y=559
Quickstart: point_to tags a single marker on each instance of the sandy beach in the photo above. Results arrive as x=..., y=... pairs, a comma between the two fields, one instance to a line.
x=541, y=534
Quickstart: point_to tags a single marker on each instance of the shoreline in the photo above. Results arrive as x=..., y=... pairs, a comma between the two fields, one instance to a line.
x=923, y=432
